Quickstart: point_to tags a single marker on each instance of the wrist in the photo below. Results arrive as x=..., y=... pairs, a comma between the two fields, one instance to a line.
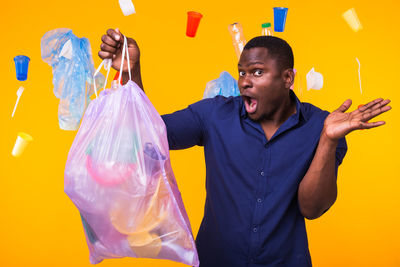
x=134, y=72
x=325, y=138
x=135, y=75
x=134, y=69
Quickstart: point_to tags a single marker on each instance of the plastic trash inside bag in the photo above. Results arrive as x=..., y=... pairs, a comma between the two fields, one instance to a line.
x=119, y=176
x=72, y=63
x=225, y=85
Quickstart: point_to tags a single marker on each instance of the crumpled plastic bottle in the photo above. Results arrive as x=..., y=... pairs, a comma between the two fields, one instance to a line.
x=73, y=68
x=225, y=85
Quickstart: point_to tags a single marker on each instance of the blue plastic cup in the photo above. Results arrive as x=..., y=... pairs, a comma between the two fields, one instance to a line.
x=280, y=18
x=21, y=67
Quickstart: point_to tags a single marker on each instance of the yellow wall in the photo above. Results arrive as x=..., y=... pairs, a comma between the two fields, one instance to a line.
x=39, y=226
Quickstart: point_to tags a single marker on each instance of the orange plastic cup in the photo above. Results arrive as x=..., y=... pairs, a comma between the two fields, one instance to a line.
x=193, y=22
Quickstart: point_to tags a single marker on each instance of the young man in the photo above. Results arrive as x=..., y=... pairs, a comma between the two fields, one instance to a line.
x=271, y=160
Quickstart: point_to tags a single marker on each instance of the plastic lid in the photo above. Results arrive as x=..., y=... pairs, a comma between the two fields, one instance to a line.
x=266, y=25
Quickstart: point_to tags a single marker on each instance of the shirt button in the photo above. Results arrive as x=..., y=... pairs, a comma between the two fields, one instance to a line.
x=259, y=200
x=262, y=173
x=255, y=229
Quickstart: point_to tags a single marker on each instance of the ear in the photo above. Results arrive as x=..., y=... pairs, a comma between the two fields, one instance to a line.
x=288, y=77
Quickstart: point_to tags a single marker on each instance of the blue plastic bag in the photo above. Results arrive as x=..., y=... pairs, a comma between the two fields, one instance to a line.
x=72, y=63
x=225, y=85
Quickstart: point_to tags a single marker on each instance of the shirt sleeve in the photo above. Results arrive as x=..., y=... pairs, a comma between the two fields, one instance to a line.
x=186, y=127
x=341, y=151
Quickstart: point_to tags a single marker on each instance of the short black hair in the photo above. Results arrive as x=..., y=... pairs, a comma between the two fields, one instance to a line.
x=278, y=49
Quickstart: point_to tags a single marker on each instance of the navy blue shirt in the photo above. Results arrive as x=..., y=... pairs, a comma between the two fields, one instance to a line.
x=251, y=215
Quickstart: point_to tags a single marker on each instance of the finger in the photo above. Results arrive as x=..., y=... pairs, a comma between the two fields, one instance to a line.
x=369, y=105
x=107, y=48
x=345, y=106
x=109, y=41
x=380, y=105
x=374, y=110
x=369, y=125
x=372, y=114
x=121, y=36
x=104, y=55
x=377, y=108
x=115, y=35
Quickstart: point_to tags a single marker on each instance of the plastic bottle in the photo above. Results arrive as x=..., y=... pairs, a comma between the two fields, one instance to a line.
x=266, y=29
x=238, y=39
x=114, y=85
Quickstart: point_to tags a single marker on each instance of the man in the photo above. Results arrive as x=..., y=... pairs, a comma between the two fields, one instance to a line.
x=271, y=160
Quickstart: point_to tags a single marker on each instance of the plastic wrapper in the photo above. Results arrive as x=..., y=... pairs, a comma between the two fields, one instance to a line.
x=72, y=63
x=225, y=85
x=119, y=176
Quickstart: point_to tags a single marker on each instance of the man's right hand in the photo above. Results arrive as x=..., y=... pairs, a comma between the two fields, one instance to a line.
x=111, y=47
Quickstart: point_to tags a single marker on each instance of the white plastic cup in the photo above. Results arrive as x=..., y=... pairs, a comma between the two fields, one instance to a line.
x=350, y=16
x=127, y=7
x=23, y=140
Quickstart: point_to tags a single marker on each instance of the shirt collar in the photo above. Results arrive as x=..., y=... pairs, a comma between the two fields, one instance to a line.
x=299, y=107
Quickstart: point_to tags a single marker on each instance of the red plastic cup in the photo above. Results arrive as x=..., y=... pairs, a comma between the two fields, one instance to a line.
x=193, y=22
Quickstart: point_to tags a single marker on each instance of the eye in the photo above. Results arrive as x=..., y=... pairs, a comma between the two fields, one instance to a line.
x=242, y=73
x=258, y=73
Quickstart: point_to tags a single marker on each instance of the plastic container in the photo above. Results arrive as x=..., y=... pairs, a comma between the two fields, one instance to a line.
x=238, y=39
x=127, y=7
x=280, y=14
x=350, y=16
x=21, y=67
x=266, y=29
x=193, y=22
x=21, y=143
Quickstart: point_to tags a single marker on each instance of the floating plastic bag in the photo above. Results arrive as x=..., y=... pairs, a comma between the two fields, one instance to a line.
x=315, y=80
x=72, y=63
x=225, y=85
x=119, y=176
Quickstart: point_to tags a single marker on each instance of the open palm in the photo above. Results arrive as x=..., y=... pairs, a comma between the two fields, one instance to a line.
x=338, y=123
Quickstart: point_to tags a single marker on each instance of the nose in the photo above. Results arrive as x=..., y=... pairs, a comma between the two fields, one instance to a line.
x=245, y=82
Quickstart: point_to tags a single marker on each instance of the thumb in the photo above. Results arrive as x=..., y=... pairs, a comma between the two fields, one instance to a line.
x=345, y=106
x=121, y=36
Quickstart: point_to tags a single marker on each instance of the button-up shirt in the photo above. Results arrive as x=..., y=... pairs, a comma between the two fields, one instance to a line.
x=252, y=216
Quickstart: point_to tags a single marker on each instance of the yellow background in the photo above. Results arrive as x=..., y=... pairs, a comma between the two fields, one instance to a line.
x=39, y=226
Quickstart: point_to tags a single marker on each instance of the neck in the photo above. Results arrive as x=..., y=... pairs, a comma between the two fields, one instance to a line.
x=286, y=109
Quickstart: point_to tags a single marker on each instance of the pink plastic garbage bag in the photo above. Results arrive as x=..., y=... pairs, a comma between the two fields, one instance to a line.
x=119, y=176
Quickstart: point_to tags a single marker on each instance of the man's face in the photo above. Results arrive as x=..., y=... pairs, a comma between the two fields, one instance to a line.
x=262, y=85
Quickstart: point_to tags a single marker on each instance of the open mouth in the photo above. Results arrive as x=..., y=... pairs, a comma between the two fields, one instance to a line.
x=250, y=104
